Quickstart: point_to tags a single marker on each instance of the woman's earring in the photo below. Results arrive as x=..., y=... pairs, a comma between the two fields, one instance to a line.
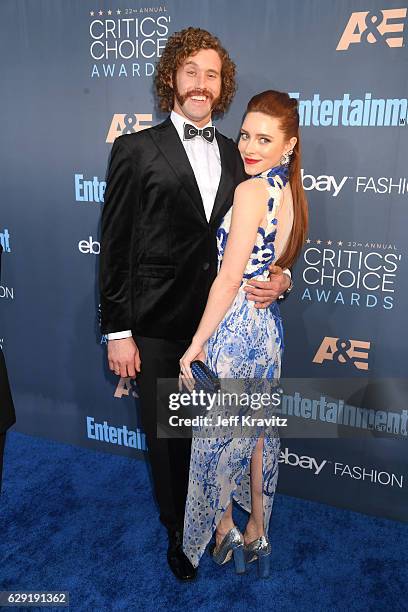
x=285, y=159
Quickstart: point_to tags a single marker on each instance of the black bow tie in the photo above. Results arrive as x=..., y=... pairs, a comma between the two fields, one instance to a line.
x=190, y=131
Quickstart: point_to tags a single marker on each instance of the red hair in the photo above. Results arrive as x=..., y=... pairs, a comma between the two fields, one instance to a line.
x=279, y=105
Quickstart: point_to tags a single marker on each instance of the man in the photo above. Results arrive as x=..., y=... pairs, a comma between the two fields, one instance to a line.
x=168, y=188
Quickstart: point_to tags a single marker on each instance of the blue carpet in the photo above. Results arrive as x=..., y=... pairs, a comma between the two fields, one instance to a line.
x=83, y=521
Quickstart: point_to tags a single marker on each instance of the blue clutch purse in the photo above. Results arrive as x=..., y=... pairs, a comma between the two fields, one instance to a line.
x=204, y=378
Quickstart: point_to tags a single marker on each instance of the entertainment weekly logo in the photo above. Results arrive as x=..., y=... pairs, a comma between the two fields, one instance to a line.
x=351, y=112
x=383, y=27
x=127, y=42
x=350, y=274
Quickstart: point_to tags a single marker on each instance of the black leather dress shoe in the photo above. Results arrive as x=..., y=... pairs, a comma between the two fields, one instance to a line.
x=177, y=560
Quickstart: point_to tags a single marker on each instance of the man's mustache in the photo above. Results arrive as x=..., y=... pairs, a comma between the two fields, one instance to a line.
x=196, y=92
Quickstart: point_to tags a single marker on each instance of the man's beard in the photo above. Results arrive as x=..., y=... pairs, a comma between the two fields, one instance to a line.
x=181, y=98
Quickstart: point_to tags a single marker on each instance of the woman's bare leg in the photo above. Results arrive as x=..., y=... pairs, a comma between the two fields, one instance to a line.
x=255, y=525
x=225, y=524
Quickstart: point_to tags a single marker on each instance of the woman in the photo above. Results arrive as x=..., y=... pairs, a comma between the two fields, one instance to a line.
x=266, y=224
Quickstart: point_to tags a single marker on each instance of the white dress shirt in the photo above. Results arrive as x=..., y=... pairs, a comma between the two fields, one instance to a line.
x=205, y=161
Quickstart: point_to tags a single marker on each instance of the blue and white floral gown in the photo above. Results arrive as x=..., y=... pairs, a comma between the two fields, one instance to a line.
x=247, y=344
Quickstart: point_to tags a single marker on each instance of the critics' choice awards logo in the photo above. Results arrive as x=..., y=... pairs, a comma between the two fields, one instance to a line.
x=367, y=111
x=128, y=124
x=352, y=352
x=127, y=42
x=384, y=27
x=355, y=274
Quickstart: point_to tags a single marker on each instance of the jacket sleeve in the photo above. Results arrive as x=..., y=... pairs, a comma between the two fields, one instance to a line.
x=121, y=200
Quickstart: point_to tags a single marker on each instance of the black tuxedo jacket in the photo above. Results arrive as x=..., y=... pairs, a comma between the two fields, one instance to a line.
x=7, y=414
x=158, y=251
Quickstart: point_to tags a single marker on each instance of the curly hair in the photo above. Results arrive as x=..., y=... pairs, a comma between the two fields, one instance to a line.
x=181, y=45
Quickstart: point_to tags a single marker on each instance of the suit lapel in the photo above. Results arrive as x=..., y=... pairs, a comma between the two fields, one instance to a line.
x=226, y=184
x=168, y=141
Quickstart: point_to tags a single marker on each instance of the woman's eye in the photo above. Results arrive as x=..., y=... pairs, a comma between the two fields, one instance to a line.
x=264, y=140
x=243, y=136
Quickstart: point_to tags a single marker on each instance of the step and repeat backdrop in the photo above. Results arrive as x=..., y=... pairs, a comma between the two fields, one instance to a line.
x=75, y=75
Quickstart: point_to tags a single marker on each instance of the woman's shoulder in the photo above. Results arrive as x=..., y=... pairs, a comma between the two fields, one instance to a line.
x=251, y=186
x=252, y=196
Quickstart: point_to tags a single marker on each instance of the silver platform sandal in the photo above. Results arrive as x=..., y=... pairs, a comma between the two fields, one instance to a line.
x=232, y=545
x=259, y=549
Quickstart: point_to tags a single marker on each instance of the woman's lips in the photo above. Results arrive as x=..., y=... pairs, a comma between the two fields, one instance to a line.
x=248, y=160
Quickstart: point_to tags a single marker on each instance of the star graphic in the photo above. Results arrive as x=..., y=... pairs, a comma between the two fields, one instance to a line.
x=92, y=13
x=340, y=243
x=109, y=12
x=118, y=12
x=318, y=241
x=100, y=13
x=308, y=241
x=329, y=242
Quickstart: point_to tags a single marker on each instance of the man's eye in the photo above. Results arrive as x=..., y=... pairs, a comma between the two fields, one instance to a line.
x=191, y=72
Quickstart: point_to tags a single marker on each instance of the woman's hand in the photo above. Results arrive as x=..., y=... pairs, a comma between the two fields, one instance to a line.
x=194, y=351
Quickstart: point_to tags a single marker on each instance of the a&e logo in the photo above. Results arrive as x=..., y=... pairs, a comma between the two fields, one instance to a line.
x=383, y=27
x=127, y=124
x=343, y=351
x=126, y=386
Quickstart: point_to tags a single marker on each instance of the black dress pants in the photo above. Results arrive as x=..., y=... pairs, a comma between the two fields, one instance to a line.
x=169, y=458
